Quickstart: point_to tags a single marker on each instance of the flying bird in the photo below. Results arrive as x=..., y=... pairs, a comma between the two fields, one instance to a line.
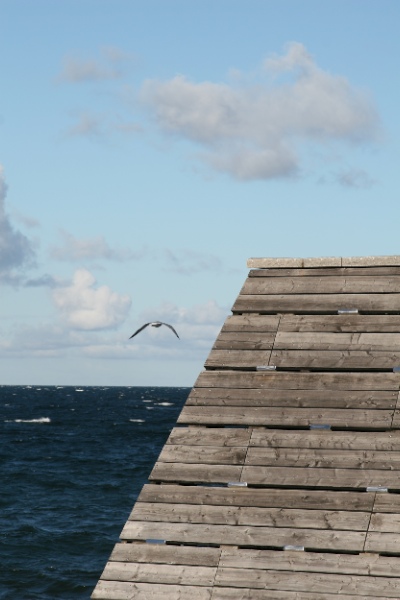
x=154, y=324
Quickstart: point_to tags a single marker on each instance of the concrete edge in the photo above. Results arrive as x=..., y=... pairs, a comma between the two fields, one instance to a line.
x=323, y=261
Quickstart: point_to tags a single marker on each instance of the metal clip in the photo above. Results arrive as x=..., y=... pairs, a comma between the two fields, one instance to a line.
x=237, y=484
x=320, y=426
x=295, y=548
x=155, y=541
x=347, y=311
x=266, y=368
x=377, y=488
x=396, y=369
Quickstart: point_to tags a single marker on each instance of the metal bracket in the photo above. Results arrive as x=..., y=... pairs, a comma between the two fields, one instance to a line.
x=266, y=368
x=396, y=369
x=154, y=541
x=320, y=426
x=377, y=488
x=237, y=484
x=347, y=311
x=295, y=548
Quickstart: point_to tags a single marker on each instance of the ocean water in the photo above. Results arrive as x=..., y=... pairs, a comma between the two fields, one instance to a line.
x=72, y=462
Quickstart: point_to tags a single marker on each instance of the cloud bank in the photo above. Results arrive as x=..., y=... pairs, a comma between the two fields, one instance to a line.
x=255, y=131
x=85, y=307
x=16, y=250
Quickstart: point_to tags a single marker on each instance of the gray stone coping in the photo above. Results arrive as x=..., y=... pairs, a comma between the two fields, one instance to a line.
x=323, y=261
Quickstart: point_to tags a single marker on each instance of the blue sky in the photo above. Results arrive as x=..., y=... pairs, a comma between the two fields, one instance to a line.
x=149, y=148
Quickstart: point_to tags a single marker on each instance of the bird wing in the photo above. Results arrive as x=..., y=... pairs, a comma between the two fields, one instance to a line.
x=170, y=326
x=139, y=330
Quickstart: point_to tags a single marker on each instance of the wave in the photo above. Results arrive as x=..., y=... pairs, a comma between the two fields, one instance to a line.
x=41, y=420
x=137, y=420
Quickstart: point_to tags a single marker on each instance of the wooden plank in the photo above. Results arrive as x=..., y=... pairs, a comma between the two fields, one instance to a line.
x=164, y=554
x=387, y=441
x=293, y=417
x=387, y=503
x=234, y=340
x=118, y=590
x=371, y=399
x=327, y=272
x=320, y=477
x=251, y=323
x=382, y=542
x=322, y=359
x=339, y=323
x=324, y=458
x=376, y=342
x=360, y=586
x=316, y=303
x=317, y=562
x=244, y=535
x=202, y=454
x=223, y=437
x=187, y=473
x=299, y=381
x=237, y=358
x=222, y=593
x=321, y=285
x=386, y=522
x=272, y=498
x=151, y=573
x=249, y=515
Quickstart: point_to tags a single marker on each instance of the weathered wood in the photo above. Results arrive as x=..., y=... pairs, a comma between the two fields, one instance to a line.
x=360, y=586
x=316, y=562
x=237, y=358
x=151, y=573
x=182, y=472
x=272, y=417
x=122, y=590
x=202, y=454
x=253, y=497
x=301, y=398
x=245, y=515
x=375, y=342
x=169, y=555
x=259, y=324
x=320, y=477
x=386, y=441
x=321, y=285
x=324, y=457
x=316, y=303
x=234, y=340
x=202, y=436
x=301, y=487
x=339, y=323
x=327, y=272
x=320, y=359
x=245, y=535
x=299, y=381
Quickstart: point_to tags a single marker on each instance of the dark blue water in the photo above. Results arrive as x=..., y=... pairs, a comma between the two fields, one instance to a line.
x=72, y=462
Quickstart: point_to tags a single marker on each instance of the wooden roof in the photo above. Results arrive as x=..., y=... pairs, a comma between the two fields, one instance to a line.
x=281, y=480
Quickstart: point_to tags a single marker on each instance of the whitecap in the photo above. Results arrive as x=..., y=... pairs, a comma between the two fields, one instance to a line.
x=137, y=420
x=165, y=403
x=41, y=420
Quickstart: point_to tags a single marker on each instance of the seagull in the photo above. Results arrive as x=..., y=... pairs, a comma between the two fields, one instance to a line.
x=153, y=324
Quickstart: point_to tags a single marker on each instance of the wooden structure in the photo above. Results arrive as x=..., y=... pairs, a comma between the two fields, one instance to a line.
x=281, y=480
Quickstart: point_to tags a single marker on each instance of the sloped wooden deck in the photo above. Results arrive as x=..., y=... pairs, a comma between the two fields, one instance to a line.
x=281, y=480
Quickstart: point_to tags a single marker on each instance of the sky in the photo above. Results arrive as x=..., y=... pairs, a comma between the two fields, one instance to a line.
x=148, y=148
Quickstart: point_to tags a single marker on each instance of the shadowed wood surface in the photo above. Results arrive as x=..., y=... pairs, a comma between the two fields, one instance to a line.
x=281, y=479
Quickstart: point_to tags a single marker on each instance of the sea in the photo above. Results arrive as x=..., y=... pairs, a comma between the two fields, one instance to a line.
x=72, y=463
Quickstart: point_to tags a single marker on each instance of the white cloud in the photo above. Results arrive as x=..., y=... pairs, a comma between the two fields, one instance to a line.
x=16, y=250
x=355, y=178
x=81, y=70
x=255, y=131
x=85, y=307
x=74, y=249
